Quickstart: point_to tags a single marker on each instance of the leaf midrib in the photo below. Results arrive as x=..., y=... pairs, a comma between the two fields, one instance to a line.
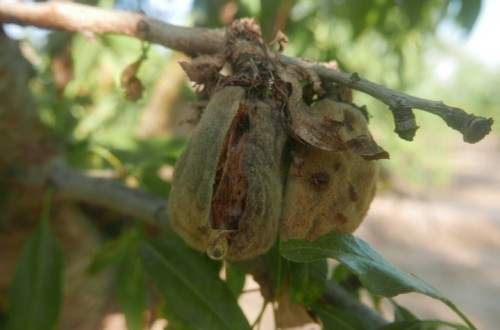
x=188, y=284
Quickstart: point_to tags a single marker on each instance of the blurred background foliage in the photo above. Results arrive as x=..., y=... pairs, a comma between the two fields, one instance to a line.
x=392, y=42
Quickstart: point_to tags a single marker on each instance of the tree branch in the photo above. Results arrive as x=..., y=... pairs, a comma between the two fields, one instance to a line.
x=82, y=18
x=75, y=17
x=110, y=193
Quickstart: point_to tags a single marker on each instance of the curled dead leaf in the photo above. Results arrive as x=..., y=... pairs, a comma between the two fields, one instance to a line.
x=129, y=81
x=205, y=70
x=281, y=40
x=328, y=125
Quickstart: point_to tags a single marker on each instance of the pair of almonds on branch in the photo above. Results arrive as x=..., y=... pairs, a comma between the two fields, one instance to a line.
x=264, y=161
x=234, y=191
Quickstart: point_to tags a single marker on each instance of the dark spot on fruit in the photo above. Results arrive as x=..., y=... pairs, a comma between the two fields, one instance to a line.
x=352, y=193
x=340, y=217
x=320, y=179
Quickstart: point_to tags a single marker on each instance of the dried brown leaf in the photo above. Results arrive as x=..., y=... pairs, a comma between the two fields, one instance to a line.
x=328, y=125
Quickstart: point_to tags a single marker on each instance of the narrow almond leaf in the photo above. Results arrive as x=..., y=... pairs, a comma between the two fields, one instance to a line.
x=341, y=273
x=308, y=280
x=379, y=276
x=338, y=318
x=35, y=292
x=468, y=14
x=402, y=314
x=113, y=252
x=131, y=291
x=422, y=325
x=174, y=322
x=235, y=280
x=347, y=279
x=191, y=286
x=279, y=266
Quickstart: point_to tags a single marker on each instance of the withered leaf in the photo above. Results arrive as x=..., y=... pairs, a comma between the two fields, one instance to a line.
x=63, y=69
x=327, y=125
x=204, y=69
x=129, y=81
x=366, y=147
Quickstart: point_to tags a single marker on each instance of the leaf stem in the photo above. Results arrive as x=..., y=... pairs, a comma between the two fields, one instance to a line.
x=259, y=317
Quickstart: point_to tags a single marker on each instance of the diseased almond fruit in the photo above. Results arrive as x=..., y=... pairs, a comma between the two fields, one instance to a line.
x=329, y=191
x=227, y=185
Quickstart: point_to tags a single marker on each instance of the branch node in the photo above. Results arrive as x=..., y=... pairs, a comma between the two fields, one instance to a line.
x=404, y=121
x=473, y=128
x=476, y=128
x=355, y=77
x=143, y=29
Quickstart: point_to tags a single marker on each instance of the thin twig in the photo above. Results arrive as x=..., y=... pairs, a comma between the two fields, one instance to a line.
x=473, y=128
x=81, y=18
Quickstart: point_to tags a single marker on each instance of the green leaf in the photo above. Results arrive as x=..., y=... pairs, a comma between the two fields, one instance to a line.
x=341, y=273
x=308, y=280
x=35, y=292
x=422, y=325
x=235, y=280
x=379, y=276
x=468, y=14
x=279, y=266
x=269, y=13
x=347, y=279
x=190, y=284
x=131, y=292
x=338, y=318
x=174, y=322
x=113, y=252
x=401, y=313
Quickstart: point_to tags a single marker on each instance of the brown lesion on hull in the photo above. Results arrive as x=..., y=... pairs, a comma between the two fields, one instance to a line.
x=231, y=185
